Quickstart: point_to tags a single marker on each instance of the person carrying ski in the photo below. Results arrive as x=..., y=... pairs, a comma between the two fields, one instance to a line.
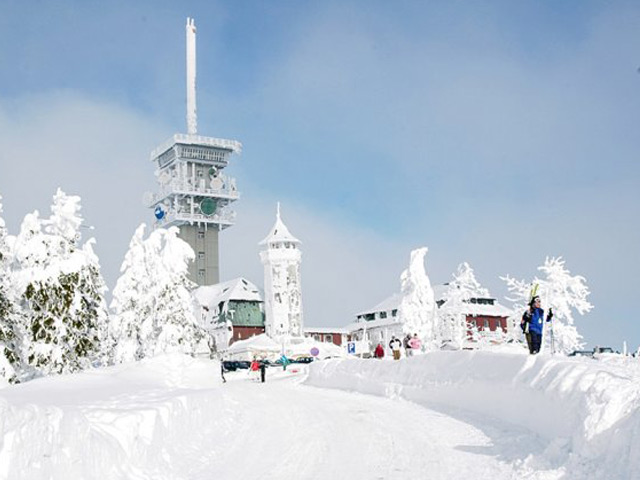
x=531, y=324
x=395, y=345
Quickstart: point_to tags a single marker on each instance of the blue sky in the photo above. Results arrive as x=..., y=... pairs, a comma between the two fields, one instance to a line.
x=496, y=133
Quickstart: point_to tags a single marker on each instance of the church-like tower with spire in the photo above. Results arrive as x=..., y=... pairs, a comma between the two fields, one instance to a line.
x=193, y=193
x=281, y=257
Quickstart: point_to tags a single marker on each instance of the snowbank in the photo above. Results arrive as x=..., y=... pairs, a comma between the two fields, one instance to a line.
x=589, y=411
x=127, y=421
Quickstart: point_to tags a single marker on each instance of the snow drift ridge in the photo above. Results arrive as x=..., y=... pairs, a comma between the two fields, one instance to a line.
x=589, y=411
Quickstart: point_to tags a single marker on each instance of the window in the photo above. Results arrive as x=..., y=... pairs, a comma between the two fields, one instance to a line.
x=201, y=255
x=383, y=314
x=201, y=234
x=486, y=324
x=201, y=273
x=394, y=312
x=328, y=338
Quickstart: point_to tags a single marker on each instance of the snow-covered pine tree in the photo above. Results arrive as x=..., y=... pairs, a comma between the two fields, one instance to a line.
x=456, y=297
x=417, y=310
x=152, y=304
x=130, y=303
x=558, y=290
x=61, y=291
x=9, y=359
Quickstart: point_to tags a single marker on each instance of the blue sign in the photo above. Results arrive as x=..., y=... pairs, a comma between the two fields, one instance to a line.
x=159, y=212
x=351, y=347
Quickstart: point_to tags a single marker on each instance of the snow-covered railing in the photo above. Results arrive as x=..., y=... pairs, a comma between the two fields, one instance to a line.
x=232, y=145
x=226, y=218
x=183, y=188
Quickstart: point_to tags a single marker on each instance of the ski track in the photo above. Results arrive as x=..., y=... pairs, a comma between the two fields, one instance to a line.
x=283, y=429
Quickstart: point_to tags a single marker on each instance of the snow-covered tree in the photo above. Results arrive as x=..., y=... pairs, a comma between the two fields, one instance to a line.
x=152, y=306
x=558, y=290
x=453, y=310
x=8, y=350
x=63, y=310
x=417, y=310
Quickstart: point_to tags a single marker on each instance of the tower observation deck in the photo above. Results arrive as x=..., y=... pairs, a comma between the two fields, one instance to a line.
x=193, y=193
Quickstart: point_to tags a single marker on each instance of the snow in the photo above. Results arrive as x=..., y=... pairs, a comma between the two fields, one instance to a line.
x=586, y=411
x=237, y=289
x=451, y=415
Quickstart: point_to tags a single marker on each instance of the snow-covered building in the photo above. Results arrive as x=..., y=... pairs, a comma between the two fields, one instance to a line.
x=193, y=193
x=336, y=335
x=485, y=317
x=281, y=257
x=230, y=311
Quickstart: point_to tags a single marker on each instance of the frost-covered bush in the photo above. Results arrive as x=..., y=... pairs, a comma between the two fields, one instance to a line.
x=455, y=305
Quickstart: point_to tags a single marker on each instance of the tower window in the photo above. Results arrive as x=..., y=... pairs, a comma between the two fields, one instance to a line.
x=201, y=234
x=201, y=255
x=201, y=273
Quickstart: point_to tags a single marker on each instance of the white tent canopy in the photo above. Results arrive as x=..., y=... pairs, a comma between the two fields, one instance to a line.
x=258, y=346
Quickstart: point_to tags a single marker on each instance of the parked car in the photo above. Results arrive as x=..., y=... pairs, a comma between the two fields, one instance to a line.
x=581, y=353
x=591, y=353
x=302, y=360
x=233, y=365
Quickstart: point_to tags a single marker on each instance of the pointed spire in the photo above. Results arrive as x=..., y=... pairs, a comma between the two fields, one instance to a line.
x=279, y=232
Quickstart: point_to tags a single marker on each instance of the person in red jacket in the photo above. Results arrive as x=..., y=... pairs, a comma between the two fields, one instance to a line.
x=254, y=369
x=379, y=351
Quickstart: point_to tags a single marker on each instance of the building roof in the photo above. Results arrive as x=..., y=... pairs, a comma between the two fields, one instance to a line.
x=387, y=305
x=279, y=232
x=378, y=322
x=393, y=302
x=239, y=289
x=340, y=330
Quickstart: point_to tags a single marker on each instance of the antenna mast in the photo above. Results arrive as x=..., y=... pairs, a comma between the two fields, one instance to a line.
x=192, y=119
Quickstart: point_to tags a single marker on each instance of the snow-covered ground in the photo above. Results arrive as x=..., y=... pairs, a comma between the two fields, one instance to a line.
x=441, y=415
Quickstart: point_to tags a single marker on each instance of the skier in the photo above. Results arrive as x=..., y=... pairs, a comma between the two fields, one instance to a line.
x=531, y=324
x=379, y=351
x=415, y=345
x=395, y=344
x=224, y=380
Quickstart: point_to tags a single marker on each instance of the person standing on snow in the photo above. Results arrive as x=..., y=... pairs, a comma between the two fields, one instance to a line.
x=531, y=324
x=395, y=344
x=407, y=347
x=253, y=368
x=415, y=344
x=379, y=351
x=263, y=371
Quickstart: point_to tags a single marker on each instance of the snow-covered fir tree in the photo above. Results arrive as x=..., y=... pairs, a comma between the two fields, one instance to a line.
x=558, y=290
x=417, y=310
x=63, y=317
x=8, y=350
x=455, y=300
x=153, y=310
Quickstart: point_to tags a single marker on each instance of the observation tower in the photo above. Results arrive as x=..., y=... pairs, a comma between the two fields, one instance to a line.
x=193, y=192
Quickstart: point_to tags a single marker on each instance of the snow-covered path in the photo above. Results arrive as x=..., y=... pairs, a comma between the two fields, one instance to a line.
x=284, y=429
x=498, y=417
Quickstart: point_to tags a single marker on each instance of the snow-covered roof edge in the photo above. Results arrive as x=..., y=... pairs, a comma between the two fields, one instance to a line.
x=186, y=139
